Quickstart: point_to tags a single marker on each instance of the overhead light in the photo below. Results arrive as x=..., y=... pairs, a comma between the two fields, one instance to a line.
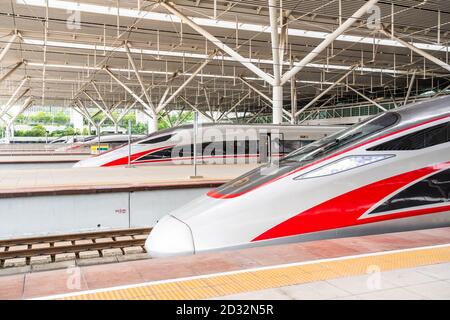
x=124, y=70
x=156, y=16
x=83, y=46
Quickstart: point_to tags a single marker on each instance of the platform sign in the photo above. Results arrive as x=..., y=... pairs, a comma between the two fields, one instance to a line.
x=97, y=149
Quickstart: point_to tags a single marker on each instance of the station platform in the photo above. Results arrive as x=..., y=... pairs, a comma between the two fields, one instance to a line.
x=54, y=158
x=408, y=265
x=28, y=183
x=74, y=200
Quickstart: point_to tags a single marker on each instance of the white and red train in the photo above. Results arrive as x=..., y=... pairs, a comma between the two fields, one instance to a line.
x=389, y=173
x=216, y=143
x=85, y=143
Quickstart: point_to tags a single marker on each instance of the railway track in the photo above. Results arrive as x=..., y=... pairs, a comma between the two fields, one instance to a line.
x=74, y=243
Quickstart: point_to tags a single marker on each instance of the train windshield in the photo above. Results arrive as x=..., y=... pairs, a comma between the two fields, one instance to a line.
x=328, y=145
x=308, y=154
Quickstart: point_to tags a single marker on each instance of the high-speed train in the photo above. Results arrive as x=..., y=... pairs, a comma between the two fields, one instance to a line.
x=69, y=139
x=389, y=173
x=112, y=140
x=216, y=143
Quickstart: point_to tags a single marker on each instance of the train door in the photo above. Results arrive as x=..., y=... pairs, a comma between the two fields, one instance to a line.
x=263, y=151
x=270, y=146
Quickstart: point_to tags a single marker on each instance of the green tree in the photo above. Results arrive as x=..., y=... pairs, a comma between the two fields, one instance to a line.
x=37, y=131
x=129, y=116
x=61, y=118
x=21, y=118
x=139, y=128
x=19, y=133
x=164, y=124
x=68, y=131
x=41, y=117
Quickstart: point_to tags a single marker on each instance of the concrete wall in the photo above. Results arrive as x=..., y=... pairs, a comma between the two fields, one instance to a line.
x=33, y=216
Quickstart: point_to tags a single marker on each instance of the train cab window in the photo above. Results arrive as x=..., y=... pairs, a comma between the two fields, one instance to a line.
x=417, y=140
x=157, y=140
x=432, y=190
x=332, y=143
x=309, y=153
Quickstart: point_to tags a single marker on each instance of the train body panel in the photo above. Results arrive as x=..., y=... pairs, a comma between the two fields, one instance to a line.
x=390, y=173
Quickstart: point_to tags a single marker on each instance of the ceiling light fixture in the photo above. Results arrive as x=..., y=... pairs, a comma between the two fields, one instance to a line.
x=83, y=46
x=163, y=17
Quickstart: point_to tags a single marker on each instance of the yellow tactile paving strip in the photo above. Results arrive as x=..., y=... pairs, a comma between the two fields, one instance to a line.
x=243, y=281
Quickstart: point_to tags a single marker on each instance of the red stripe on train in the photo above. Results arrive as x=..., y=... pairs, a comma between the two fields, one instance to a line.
x=346, y=209
x=199, y=158
x=124, y=160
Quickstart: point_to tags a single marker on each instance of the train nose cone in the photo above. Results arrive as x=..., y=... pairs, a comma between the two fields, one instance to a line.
x=170, y=237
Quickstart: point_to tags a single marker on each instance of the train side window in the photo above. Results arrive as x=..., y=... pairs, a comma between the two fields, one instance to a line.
x=432, y=190
x=251, y=146
x=161, y=154
x=448, y=131
x=290, y=145
x=417, y=140
x=186, y=151
x=239, y=147
x=157, y=140
x=213, y=148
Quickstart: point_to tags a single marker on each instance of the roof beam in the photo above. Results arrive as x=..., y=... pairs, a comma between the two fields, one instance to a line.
x=28, y=101
x=115, y=122
x=8, y=104
x=207, y=101
x=100, y=107
x=138, y=76
x=255, y=89
x=327, y=41
x=318, y=109
x=100, y=96
x=10, y=71
x=325, y=91
x=8, y=46
x=412, y=47
x=234, y=106
x=262, y=94
x=257, y=114
x=411, y=83
x=81, y=109
x=366, y=97
x=196, y=109
x=135, y=96
x=163, y=103
x=126, y=110
x=222, y=46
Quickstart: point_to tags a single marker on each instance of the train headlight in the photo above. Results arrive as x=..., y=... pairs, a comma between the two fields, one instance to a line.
x=344, y=164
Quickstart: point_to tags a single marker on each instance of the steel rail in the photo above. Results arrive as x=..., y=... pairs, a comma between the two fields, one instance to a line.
x=75, y=248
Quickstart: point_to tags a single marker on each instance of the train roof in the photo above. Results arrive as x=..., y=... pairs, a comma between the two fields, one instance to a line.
x=426, y=109
x=249, y=125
